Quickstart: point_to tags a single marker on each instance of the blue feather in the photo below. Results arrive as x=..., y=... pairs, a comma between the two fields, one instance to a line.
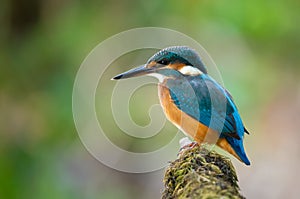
x=205, y=100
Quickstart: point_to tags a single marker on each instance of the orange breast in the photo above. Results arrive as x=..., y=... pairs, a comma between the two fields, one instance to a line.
x=198, y=131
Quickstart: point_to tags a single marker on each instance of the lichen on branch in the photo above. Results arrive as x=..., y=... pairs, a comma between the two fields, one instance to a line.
x=200, y=173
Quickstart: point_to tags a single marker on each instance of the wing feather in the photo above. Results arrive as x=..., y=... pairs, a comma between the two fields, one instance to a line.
x=206, y=101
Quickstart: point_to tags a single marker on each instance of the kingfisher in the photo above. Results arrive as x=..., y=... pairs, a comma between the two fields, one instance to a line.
x=193, y=101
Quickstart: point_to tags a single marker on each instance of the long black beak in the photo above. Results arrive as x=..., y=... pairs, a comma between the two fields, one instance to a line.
x=135, y=72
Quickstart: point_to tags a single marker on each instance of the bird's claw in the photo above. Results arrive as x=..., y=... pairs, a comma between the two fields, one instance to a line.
x=186, y=143
x=190, y=145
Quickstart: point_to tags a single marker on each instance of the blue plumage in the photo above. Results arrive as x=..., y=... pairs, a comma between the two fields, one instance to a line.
x=206, y=101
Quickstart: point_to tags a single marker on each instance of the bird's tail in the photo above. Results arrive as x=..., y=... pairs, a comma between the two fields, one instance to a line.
x=234, y=147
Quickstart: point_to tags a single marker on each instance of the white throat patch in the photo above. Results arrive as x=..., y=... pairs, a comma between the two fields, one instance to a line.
x=190, y=70
x=160, y=77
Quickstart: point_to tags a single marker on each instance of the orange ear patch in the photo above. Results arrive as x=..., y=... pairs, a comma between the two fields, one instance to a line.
x=185, y=69
x=176, y=66
x=151, y=64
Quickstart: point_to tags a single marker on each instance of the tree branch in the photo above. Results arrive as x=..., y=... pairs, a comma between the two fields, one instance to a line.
x=200, y=173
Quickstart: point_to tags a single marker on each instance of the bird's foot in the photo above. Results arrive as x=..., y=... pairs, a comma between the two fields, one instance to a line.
x=186, y=143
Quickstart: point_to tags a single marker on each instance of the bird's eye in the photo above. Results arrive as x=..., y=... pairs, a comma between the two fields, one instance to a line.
x=163, y=62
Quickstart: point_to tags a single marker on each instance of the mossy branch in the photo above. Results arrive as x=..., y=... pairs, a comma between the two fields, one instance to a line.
x=200, y=173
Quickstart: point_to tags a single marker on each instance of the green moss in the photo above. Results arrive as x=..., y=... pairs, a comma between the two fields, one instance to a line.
x=200, y=173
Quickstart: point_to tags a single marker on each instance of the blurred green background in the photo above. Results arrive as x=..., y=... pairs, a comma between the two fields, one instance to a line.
x=42, y=44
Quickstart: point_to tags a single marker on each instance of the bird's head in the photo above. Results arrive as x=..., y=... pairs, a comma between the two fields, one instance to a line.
x=173, y=62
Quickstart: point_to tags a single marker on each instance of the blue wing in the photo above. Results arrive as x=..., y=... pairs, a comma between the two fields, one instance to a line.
x=206, y=101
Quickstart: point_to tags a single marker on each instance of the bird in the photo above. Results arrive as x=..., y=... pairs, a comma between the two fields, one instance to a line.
x=193, y=101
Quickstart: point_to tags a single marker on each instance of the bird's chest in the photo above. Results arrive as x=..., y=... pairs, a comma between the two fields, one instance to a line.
x=182, y=95
x=166, y=101
x=172, y=112
x=189, y=125
x=176, y=97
